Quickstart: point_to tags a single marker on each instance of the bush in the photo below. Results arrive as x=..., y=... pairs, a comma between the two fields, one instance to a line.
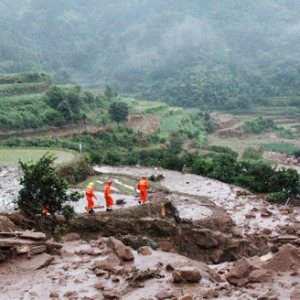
x=42, y=186
x=251, y=153
x=278, y=197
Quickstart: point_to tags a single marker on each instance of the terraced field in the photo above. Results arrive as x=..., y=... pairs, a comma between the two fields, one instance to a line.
x=11, y=156
x=229, y=134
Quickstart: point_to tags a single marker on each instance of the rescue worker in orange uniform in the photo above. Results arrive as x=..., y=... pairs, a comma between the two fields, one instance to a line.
x=143, y=186
x=46, y=209
x=108, y=199
x=90, y=194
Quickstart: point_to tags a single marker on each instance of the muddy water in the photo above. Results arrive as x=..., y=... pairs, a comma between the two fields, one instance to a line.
x=72, y=272
x=221, y=194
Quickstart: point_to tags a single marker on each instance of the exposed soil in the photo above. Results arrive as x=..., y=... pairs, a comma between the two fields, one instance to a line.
x=71, y=272
x=229, y=126
x=142, y=123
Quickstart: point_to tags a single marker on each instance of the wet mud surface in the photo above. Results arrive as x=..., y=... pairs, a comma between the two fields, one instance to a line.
x=71, y=272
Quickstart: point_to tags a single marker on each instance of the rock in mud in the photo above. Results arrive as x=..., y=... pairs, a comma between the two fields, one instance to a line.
x=186, y=297
x=270, y=295
x=107, y=263
x=72, y=236
x=112, y=295
x=36, y=262
x=54, y=295
x=238, y=275
x=284, y=260
x=164, y=246
x=190, y=274
x=210, y=294
x=166, y=294
x=145, y=250
x=124, y=252
x=262, y=276
x=177, y=276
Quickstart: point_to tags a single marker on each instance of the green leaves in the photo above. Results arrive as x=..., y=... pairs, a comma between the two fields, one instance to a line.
x=118, y=112
x=42, y=186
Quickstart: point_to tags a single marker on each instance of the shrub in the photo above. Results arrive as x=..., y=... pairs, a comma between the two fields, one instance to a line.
x=42, y=186
x=251, y=153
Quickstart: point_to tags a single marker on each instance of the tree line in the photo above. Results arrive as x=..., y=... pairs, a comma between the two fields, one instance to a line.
x=228, y=54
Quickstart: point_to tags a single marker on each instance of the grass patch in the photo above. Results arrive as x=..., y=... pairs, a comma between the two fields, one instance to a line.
x=146, y=107
x=11, y=156
x=284, y=148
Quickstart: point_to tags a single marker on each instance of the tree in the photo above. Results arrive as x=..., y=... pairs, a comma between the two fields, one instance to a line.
x=108, y=93
x=118, y=111
x=42, y=186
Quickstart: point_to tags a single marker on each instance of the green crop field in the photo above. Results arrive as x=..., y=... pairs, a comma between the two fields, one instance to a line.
x=11, y=156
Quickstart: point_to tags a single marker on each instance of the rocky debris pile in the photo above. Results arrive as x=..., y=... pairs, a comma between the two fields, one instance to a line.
x=20, y=243
x=212, y=239
x=122, y=273
x=279, y=270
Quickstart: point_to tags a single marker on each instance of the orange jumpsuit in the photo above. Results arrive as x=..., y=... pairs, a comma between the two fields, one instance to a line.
x=109, y=200
x=143, y=185
x=46, y=209
x=89, y=193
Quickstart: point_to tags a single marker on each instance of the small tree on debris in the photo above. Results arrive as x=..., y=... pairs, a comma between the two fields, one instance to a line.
x=42, y=186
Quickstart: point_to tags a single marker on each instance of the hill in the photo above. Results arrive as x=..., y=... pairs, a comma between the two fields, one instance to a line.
x=226, y=54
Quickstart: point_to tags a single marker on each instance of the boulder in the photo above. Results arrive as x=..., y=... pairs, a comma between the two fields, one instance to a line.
x=270, y=295
x=262, y=275
x=176, y=276
x=145, y=250
x=107, y=263
x=72, y=236
x=36, y=262
x=190, y=274
x=165, y=294
x=284, y=260
x=164, y=246
x=54, y=295
x=36, y=236
x=118, y=270
x=210, y=294
x=124, y=252
x=238, y=275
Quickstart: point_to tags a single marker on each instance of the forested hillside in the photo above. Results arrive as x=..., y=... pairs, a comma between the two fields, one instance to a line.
x=227, y=54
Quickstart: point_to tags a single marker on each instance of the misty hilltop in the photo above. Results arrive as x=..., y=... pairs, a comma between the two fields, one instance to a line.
x=188, y=53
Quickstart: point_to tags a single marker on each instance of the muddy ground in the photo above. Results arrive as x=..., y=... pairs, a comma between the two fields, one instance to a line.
x=71, y=272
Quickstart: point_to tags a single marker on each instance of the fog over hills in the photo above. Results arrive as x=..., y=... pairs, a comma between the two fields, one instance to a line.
x=188, y=53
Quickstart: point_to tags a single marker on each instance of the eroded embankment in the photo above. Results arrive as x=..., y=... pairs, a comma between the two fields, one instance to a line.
x=212, y=239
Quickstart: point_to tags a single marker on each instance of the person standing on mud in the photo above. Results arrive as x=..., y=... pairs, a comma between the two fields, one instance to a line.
x=90, y=194
x=143, y=186
x=108, y=199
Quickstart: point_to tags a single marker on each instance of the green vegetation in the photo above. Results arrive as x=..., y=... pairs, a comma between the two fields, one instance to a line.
x=251, y=153
x=285, y=148
x=118, y=112
x=42, y=187
x=230, y=55
x=259, y=125
x=11, y=156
